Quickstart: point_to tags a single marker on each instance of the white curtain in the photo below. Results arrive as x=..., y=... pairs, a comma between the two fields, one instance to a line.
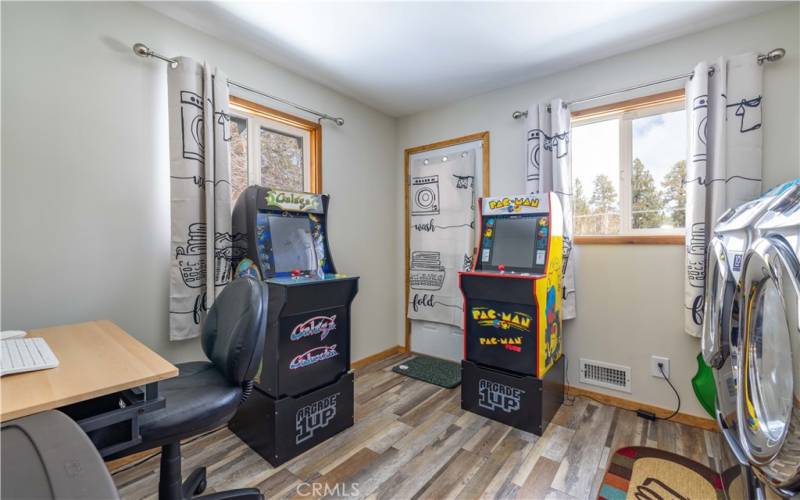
x=200, y=191
x=442, y=205
x=549, y=168
x=723, y=168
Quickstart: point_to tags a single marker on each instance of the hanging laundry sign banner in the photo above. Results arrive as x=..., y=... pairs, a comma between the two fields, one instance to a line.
x=442, y=209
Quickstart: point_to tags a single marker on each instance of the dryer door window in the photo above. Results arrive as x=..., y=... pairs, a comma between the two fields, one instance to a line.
x=769, y=419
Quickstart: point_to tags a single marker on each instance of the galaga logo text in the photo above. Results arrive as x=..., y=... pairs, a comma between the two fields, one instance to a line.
x=288, y=200
x=489, y=317
x=312, y=356
x=494, y=395
x=318, y=325
x=315, y=416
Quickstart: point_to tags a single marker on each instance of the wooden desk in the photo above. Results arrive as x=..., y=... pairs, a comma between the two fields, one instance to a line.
x=95, y=359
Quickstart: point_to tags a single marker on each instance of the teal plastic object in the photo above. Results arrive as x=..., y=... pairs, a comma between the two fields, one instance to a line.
x=703, y=385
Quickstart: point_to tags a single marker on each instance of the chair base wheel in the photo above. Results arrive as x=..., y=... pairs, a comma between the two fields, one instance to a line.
x=195, y=484
x=171, y=488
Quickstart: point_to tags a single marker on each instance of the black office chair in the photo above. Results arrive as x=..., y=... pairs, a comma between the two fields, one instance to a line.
x=205, y=395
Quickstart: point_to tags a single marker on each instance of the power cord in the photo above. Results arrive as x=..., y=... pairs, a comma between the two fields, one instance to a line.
x=568, y=400
x=652, y=416
x=678, y=409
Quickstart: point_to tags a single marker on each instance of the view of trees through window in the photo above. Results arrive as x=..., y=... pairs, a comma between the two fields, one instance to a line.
x=629, y=174
x=278, y=156
x=281, y=160
x=238, y=157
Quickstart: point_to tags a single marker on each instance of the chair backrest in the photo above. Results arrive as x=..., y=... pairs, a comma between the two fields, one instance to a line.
x=234, y=331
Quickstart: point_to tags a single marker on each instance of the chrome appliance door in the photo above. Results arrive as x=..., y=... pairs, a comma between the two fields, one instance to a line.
x=768, y=404
x=719, y=292
x=720, y=340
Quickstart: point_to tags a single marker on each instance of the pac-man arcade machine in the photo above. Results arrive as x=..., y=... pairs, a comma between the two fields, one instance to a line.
x=303, y=393
x=512, y=369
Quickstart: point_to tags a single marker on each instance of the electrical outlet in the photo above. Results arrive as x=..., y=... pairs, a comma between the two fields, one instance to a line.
x=654, y=361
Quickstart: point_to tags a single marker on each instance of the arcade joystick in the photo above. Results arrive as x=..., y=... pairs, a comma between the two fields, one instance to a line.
x=501, y=268
x=296, y=273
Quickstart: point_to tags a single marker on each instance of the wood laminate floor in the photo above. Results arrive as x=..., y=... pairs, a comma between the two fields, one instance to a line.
x=413, y=440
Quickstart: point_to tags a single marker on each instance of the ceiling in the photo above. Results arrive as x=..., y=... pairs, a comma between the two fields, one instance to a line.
x=405, y=57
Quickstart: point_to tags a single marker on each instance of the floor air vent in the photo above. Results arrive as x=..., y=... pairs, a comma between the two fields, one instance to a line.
x=605, y=375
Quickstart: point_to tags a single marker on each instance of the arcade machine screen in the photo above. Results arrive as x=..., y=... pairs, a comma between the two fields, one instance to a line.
x=287, y=243
x=292, y=243
x=512, y=242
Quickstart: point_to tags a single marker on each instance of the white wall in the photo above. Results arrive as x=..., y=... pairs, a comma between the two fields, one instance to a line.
x=85, y=173
x=630, y=297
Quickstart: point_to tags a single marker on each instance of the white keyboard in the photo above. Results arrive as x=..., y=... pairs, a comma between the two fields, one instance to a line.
x=25, y=355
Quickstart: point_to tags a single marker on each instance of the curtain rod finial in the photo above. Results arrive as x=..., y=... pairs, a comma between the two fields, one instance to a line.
x=776, y=54
x=337, y=121
x=141, y=50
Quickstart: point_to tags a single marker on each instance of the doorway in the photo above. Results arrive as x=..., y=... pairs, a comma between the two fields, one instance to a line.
x=426, y=337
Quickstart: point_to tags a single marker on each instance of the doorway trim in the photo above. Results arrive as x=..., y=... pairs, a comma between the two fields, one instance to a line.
x=478, y=136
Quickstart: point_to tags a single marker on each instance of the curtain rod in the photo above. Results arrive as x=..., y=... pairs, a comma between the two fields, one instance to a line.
x=143, y=50
x=771, y=56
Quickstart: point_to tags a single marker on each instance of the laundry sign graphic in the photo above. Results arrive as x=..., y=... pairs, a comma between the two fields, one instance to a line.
x=427, y=271
x=425, y=195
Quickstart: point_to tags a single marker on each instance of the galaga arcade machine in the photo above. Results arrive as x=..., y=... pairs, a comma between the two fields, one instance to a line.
x=303, y=393
x=512, y=370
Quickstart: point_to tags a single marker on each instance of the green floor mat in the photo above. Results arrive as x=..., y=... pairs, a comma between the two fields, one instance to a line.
x=434, y=371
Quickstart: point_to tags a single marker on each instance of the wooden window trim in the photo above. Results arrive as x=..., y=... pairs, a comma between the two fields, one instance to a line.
x=643, y=239
x=313, y=128
x=649, y=101
x=619, y=108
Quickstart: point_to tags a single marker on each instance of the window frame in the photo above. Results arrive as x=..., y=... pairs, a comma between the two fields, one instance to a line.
x=626, y=112
x=258, y=116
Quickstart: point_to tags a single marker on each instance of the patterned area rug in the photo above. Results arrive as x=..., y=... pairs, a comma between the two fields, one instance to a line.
x=434, y=371
x=640, y=473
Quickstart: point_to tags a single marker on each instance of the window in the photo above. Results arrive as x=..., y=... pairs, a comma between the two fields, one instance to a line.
x=629, y=167
x=274, y=149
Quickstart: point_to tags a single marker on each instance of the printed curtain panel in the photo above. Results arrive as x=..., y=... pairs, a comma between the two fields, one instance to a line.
x=549, y=168
x=724, y=163
x=442, y=205
x=200, y=192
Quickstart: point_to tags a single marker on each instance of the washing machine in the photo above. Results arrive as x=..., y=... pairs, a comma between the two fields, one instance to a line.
x=720, y=342
x=768, y=392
